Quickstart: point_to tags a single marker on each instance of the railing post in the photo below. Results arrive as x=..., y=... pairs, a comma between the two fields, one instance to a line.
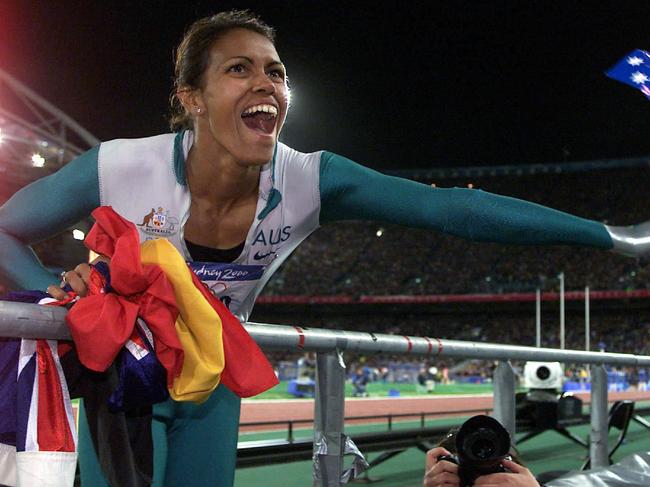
x=504, y=397
x=599, y=417
x=329, y=413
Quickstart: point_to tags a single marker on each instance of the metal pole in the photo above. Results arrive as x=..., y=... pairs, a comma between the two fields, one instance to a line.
x=598, y=451
x=561, y=276
x=538, y=318
x=504, y=397
x=587, y=324
x=278, y=337
x=83, y=134
x=329, y=414
x=33, y=321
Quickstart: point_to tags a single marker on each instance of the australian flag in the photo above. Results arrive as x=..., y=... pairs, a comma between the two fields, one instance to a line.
x=37, y=427
x=634, y=70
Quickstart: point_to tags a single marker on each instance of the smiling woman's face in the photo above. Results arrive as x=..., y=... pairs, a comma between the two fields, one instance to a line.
x=243, y=100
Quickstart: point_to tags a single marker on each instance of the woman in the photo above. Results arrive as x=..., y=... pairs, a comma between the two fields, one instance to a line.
x=223, y=189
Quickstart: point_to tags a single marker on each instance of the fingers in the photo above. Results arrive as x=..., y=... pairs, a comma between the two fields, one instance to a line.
x=77, y=280
x=433, y=454
x=440, y=473
x=83, y=270
x=444, y=467
x=514, y=467
x=56, y=292
x=445, y=479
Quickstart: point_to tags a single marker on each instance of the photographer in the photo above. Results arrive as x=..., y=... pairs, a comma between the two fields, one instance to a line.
x=445, y=473
x=479, y=453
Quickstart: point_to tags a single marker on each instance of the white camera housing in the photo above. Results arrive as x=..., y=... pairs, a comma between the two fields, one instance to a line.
x=543, y=375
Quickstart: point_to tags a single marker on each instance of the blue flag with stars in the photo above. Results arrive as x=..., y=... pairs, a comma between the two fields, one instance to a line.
x=634, y=70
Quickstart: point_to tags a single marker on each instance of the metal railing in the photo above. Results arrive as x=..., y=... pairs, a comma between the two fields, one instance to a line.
x=330, y=442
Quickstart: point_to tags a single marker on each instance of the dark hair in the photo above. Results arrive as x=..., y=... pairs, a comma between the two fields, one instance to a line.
x=193, y=55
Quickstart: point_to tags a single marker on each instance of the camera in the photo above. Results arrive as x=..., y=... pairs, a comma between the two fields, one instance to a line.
x=543, y=375
x=481, y=445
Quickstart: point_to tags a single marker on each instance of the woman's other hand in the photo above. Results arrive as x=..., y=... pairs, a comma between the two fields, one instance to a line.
x=440, y=473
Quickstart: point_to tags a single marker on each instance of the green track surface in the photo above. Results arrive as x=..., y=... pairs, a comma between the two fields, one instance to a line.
x=377, y=389
x=548, y=451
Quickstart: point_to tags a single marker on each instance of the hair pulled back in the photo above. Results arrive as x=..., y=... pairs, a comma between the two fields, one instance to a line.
x=193, y=55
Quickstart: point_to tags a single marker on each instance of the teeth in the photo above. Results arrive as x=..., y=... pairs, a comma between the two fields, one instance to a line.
x=261, y=108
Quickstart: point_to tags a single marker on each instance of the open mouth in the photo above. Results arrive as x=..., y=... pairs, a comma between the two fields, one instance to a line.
x=260, y=118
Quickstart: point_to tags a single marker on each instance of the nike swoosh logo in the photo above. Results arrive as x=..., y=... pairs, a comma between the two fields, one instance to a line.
x=259, y=256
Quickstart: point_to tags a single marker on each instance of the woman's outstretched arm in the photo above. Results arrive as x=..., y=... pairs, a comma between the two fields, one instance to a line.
x=350, y=191
x=39, y=211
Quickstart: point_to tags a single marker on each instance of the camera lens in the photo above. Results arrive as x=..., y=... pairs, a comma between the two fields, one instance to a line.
x=481, y=444
x=481, y=441
x=483, y=449
x=543, y=372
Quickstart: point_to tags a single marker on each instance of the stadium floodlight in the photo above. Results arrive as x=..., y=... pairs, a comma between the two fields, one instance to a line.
x=78, y=234
x=380, y=232
x=38, y=160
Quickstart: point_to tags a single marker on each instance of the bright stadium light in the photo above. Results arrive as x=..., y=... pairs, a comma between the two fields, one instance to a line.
x=380, y=232
x=78, y=234
x=38, y=160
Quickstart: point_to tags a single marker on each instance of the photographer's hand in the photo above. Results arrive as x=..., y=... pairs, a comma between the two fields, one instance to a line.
x=440, y=473
x=519, y=476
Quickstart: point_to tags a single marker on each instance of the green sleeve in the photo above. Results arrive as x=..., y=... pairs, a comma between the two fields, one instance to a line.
x=350, y=191
x=40, y=210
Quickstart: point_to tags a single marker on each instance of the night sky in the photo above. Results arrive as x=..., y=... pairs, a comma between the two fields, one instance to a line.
x=390, y=84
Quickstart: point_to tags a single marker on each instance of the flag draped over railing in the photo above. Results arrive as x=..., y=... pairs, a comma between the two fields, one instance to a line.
x=37, y=428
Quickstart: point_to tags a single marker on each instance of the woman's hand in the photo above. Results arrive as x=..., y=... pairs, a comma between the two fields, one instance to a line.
x=440, y=473
x=77, y=279
x=518, y=476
